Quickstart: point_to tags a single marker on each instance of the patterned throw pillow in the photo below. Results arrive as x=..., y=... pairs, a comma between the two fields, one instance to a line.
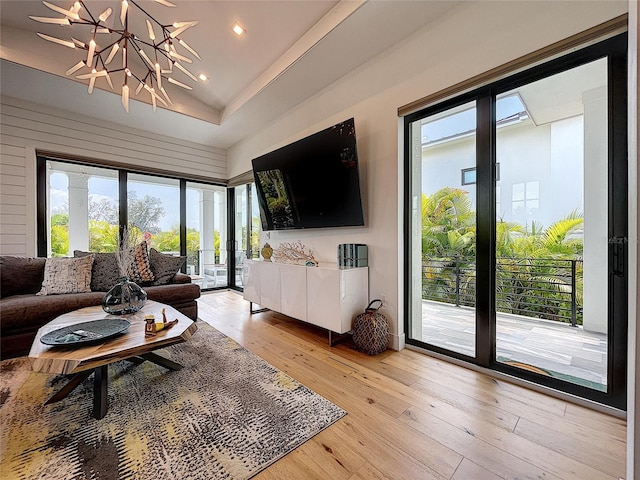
x=140, y=270
x=164, y=266
x=104, y=273
x=66, y=275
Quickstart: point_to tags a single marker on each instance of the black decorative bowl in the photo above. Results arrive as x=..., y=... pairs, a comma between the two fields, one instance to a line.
x=85, y=333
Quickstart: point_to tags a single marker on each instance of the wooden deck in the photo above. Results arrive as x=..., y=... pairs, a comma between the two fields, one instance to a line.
x=412, y=416
x=553, y=346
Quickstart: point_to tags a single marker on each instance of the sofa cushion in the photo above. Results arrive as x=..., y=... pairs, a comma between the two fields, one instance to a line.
x=104, y=272
x=139, y=270
x=66, y=275
x=20, y=275
x=164, y=266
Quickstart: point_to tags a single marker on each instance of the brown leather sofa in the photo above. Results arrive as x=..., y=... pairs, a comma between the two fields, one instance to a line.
x=22, y=312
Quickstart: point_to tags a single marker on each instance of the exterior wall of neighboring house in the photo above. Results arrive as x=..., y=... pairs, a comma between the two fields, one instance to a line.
x=549, y=156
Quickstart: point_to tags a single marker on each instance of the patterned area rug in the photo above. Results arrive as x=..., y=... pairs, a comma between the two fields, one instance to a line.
x=226, y=415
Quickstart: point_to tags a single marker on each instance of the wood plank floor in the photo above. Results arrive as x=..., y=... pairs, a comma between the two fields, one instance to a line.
x=411, y=416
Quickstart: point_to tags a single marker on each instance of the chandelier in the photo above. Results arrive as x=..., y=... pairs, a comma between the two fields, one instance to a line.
x=159, y=58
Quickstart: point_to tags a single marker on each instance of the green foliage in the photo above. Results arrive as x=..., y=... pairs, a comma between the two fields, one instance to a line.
x=60, y=219
x=59, y=240
x=534, y=265
x=103, y=237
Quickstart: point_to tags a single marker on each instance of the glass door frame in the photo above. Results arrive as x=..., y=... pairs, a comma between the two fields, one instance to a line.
x=232, y=243
x=615, y=50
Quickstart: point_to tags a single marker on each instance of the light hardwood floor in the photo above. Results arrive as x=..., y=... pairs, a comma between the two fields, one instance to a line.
x=411, y=416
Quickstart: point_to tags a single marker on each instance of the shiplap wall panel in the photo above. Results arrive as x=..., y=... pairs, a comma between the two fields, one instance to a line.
x=26, y=128
x=13, y=180
x=119, y=146
x=12, y=170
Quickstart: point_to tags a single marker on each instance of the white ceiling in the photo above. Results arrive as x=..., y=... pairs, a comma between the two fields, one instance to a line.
x=292, y=50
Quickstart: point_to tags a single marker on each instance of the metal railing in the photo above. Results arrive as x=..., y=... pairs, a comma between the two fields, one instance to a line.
x=546, y=288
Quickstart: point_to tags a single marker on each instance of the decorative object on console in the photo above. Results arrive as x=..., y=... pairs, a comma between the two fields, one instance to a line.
x=353, y=255
x=371, y=330
x=267, y=251
x=294, y=253
x=148, y=73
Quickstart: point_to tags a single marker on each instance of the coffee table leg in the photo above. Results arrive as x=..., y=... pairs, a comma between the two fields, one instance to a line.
x=163, y=362
x=100, y=384
x=68, y=388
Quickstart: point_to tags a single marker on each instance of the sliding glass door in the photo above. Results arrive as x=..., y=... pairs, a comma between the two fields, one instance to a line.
x=516, y=233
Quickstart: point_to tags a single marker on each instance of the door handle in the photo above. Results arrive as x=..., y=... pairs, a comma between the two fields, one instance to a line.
x=618, y=248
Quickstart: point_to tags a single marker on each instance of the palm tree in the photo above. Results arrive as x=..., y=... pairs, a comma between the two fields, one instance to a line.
x=537, y=261
x=533, y=274
x=448, y=244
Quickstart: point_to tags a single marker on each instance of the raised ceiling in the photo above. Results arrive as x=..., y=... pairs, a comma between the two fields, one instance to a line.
x=291, y=50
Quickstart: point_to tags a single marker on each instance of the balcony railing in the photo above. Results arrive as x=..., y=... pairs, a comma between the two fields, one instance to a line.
x=545, y=288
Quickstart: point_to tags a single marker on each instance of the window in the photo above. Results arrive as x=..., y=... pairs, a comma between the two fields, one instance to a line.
x=469, y=176
x=81, y=207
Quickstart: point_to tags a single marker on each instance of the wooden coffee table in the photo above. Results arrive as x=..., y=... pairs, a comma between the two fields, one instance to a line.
x=82, y=361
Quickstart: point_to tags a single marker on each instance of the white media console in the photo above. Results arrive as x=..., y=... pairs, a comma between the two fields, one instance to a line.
x=326, y=296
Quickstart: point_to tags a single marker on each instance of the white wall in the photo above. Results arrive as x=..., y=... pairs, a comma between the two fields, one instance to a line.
x=26, y=128
x=470, y=40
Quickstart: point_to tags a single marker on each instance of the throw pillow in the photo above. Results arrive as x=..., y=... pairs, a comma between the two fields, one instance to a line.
x=105, y=271
x=140, y=270
x=66, y=275
x=164, y=266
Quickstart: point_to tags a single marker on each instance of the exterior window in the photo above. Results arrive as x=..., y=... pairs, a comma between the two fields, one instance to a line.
x=468, y=176
x=525, y=199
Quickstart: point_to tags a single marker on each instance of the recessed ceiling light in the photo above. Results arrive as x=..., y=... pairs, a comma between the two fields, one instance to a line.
x=203, y=77
x=238, y=29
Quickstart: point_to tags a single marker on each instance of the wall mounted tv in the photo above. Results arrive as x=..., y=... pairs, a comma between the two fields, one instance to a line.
x=311, y=183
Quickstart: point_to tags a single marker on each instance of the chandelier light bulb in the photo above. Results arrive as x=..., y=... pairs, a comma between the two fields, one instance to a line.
x=106, y=14
x=112, y=54
x=152, y=35
x=165, y=3
x=57, y=21
x=67, y=13
x=59, y=41
x=75, y=68
x=125, y=97
x=92, y=82
x=108, y=77
x=123, y=12
x=92, y=49
x=158, y=75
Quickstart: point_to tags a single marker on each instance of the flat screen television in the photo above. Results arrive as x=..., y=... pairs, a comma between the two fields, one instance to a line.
x=311, y=183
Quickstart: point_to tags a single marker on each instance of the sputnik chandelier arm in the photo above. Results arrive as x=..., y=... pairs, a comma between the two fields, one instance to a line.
x=158, y=55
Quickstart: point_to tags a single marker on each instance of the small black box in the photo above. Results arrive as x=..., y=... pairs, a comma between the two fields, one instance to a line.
x=352, y=255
